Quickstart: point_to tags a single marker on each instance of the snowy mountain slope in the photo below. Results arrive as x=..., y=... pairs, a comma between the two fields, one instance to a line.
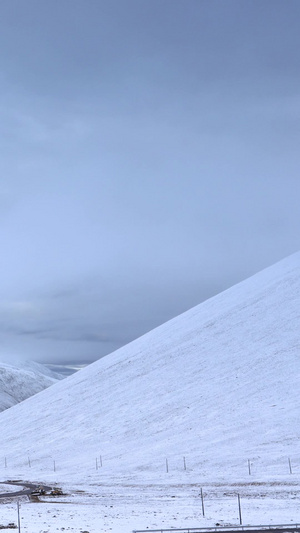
x=218, y=384
x=21, y=380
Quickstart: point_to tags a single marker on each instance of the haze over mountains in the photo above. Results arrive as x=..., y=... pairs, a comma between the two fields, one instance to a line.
x=218, y=384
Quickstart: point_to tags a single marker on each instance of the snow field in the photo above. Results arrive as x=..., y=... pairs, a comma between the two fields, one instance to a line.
x=218, y=385
x=125, y=507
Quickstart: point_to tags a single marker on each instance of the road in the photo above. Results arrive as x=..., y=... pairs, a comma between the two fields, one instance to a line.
x=28, y=489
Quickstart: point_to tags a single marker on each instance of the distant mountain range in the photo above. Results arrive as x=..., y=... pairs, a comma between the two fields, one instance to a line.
x=218, y=385
x=20, y=380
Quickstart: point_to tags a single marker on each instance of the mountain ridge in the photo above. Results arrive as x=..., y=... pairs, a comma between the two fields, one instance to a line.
x=218, y=383
x=20, y=380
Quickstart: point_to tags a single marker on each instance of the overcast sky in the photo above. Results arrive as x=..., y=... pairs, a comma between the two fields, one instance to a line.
x=149, y=156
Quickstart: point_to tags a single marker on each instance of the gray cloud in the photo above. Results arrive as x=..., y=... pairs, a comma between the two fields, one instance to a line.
x=149, y=159
x=85, y=322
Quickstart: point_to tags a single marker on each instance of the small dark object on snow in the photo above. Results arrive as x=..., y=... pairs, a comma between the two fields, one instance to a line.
x=38, y=492
x=56, y=492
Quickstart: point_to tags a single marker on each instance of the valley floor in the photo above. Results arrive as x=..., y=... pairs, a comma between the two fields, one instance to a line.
x=121, y=508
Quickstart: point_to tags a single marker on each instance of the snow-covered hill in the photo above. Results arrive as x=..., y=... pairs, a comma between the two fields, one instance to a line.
x=218, y=385
x=20, y=380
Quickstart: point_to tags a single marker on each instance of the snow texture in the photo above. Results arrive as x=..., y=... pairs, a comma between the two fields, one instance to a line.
x=194, y=403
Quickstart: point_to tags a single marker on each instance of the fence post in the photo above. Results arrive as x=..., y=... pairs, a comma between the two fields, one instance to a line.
x=290, y=466
x=240, y=511
x=19, y=523
x=202, y=501
x=167, y=466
